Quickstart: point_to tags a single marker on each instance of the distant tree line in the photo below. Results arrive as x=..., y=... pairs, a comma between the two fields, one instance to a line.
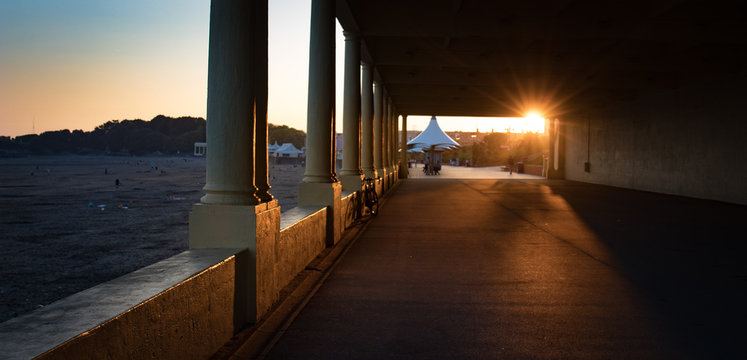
x=162, y=134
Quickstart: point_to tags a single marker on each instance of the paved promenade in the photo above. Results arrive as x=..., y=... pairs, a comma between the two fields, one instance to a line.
x=462, y=172
x=496, y=268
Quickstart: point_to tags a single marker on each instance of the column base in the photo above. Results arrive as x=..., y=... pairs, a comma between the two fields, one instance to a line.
x=371, y=174
x=389, y=178
x=351, y=182
x=383, y=175
x=403, y=172
x=329, y=195
x=255, y=228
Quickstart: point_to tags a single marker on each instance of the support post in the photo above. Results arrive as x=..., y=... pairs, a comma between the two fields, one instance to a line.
x=367, y=131
x=390, y=141
x=403, y=166
x=385, y=140
x=556, y=169
x=320, y=186
x=351, y=175
x=261, y=169
x=229, y=215
x=393, y=144
x=378, y=131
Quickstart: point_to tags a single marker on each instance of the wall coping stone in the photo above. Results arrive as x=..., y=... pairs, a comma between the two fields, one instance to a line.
x=297, y=214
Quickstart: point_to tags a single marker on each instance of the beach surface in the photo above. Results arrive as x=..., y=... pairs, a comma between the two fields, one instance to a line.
x=65, y=225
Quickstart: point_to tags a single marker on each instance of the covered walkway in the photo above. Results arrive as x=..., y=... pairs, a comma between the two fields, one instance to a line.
x=532, y=269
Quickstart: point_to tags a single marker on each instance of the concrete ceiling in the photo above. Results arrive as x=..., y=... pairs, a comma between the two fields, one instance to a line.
x=504, y=58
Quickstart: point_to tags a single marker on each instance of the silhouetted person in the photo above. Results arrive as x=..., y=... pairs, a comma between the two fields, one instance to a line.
x=116, y=183
x=510, y=165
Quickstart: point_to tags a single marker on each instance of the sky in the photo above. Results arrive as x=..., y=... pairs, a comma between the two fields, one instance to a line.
x=76, y=64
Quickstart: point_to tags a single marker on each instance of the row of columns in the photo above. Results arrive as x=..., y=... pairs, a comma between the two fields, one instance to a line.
x=369, y=118
x=238, y=210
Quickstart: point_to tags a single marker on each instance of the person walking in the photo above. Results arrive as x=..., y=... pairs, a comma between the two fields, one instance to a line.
x=510, y=165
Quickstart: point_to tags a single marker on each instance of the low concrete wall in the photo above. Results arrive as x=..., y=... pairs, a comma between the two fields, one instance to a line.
x=302, y=238
x=178, y=308
x=685, y=142
x=351, y=208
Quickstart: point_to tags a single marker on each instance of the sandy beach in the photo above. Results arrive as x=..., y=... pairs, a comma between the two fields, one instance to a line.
x=67, y=226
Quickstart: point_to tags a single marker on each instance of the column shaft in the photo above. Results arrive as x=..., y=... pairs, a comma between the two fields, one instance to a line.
x=393, y=138
x=367, y=131
x=351, y=174
x=403, y=166
x=230, y=106
x=378, y=131
x=385, y=135
x=320, y=162
x=319, y=186
x=261, y=171
x=389, y=139
x=395, y=141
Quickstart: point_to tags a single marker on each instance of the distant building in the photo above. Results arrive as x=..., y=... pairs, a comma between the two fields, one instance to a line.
x=200, y=148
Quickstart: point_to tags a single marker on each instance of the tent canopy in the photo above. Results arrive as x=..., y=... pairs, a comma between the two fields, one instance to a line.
x=288, y=150
x=433, y=138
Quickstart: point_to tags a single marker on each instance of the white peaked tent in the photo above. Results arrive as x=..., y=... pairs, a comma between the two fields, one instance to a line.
x=272, y=148
x=433, y=142
x=433, y=138
x=288, y=150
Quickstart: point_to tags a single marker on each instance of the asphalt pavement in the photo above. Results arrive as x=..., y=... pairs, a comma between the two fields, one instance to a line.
x=532, y=269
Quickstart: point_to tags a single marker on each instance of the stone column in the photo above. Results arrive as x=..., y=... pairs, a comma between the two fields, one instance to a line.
x=389, y=140
x=229, y=216
x=230, y=109
x=403, y=169
x=377, y=129
x=556, y=169
x=261, y=171
x=367, y=130
x=351, y=175
x=320, y=186
x=385, y=139
x=393, y=144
